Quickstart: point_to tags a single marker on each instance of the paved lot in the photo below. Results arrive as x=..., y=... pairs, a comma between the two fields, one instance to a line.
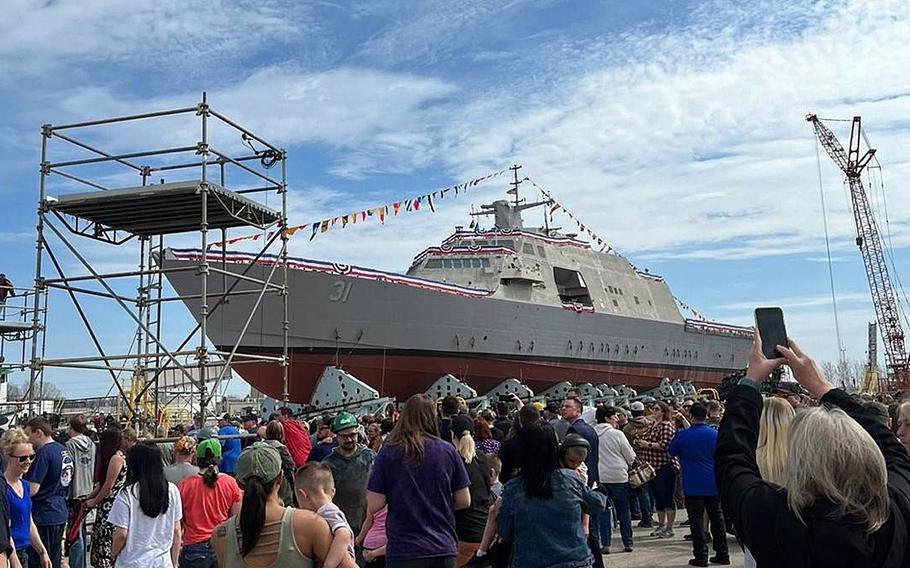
x=664, y=552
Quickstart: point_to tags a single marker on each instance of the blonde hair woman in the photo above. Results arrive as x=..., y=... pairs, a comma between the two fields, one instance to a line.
x=845, y=497
x=771, y=453
x=470, y=522
x=773, y=439
x=19, y=456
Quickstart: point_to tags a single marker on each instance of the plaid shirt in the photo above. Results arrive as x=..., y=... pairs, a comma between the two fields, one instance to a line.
x=662, y=433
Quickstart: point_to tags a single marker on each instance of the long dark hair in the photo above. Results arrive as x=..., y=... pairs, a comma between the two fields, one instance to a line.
x=146, y=470
x=108, y=445
x=527, y=416
x=252, y=511
x=208, y=465
x=538, y=460
x=418, y=421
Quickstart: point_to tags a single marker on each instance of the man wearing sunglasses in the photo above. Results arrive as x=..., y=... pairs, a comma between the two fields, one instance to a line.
x=50, y=477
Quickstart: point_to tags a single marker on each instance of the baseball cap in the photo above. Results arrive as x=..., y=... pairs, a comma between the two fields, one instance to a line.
x=649, y=400
x=575, y=441
x=185, y=445
x=208, y=448
x=343, y=421
x=462, y=424
x=259, y=460
x=637, y=406
x=552, y=407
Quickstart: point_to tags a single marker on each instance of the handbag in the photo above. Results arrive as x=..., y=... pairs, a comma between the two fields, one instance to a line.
x=640, y=473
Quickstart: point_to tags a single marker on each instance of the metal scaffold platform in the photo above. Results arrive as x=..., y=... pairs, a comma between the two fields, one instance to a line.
x=222, y=177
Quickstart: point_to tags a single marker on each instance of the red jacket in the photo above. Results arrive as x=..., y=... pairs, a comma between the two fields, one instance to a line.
x=297, y=439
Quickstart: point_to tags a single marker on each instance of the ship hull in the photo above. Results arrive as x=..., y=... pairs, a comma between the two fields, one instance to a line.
x=399, y=334
x=401, y=374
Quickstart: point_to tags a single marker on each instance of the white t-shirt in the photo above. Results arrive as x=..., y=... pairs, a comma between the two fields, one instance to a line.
x=148, y=541
x=336, y=520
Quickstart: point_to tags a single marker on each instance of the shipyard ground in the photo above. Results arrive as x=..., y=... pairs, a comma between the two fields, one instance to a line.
x=652, y=552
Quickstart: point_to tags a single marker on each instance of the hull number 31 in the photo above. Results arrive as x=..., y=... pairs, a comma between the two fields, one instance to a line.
x=341, y=291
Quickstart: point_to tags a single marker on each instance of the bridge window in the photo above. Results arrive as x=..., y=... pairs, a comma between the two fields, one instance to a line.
x=433, y=263
x=571, y=286
x=528, y=248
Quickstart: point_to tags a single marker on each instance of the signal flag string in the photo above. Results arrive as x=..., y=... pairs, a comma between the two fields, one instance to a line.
x=380, y=212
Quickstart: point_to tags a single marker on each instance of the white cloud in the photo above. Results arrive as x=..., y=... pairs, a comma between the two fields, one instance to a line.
x=627, y=142
x=36, y=38
x=430, y=31
x=371, y=121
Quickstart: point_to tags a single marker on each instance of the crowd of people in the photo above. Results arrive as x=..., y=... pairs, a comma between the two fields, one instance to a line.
x=801, y=474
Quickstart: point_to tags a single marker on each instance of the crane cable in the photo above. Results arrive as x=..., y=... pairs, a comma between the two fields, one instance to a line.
x=821, y=192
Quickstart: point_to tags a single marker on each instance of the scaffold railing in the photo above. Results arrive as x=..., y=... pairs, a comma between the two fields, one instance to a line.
x=111, y=189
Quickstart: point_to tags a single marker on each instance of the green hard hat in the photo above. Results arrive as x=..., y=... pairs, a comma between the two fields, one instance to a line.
x=209, y=447
x=344, y=421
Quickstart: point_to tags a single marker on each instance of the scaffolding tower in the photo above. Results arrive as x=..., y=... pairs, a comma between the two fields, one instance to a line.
x=220, y=178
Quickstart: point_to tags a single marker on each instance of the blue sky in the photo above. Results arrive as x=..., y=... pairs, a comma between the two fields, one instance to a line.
x=675, y=129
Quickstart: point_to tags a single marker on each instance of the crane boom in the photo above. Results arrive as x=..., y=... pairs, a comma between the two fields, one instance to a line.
x=870, y=245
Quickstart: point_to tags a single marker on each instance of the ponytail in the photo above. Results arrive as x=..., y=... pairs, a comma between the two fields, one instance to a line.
x=466, y=447
x=208, y=466
x=252, y=512
x=210, y=475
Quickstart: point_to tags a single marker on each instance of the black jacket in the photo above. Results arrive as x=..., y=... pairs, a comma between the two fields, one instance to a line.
x=768, y=528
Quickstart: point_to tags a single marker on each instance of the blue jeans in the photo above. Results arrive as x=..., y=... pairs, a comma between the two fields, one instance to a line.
x=76, y=553
x=199, y=555
x=619, y=494
x=642, y=496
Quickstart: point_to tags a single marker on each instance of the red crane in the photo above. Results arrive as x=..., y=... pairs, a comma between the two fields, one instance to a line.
x=870, y=244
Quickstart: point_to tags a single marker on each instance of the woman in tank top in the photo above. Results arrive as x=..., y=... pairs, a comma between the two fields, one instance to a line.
x=266, y=533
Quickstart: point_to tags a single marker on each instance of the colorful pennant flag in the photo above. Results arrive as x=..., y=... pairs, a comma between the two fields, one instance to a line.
x=382, y=211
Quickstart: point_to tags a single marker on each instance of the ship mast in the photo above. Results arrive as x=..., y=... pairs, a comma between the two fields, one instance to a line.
x=515, y=183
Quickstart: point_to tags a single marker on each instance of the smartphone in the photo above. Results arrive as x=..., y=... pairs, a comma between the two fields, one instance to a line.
x=770, y=322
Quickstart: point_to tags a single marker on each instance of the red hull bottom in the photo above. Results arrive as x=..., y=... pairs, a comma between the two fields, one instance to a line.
x=401, y=375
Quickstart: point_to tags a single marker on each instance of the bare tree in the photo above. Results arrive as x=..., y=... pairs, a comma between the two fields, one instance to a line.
x=20, y=391
x=846, y=373
x=13, y=391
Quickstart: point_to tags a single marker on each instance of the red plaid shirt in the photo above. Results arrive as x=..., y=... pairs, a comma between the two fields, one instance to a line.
x=662, y=433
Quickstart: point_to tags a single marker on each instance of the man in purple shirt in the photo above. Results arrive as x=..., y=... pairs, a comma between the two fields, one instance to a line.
x=423, y=480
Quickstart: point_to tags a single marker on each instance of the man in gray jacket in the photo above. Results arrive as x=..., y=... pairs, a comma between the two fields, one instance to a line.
x=82, y=449
x=614, y=457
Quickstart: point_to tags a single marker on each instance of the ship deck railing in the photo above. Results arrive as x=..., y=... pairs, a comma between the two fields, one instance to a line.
x=715, y=328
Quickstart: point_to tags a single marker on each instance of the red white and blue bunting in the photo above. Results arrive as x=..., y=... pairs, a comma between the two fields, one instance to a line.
x=307, y=265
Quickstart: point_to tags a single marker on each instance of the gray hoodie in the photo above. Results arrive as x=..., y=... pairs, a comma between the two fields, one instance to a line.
x=83, y=451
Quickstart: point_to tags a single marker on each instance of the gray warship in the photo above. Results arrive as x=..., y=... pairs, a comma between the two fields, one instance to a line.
x=485, y=305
